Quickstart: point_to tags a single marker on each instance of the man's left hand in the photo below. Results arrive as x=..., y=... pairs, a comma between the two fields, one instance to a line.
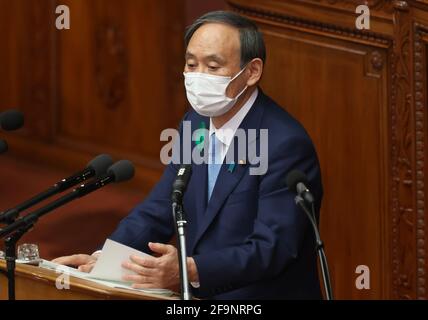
x=156, y=272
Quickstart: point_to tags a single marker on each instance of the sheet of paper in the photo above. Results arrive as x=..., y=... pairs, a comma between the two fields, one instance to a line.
x=62, y=269
x=111, y=284
x=109, y=263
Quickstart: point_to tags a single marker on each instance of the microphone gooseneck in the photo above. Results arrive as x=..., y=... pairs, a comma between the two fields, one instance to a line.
x=95, y=168
x=121, y=171
x=297, y=182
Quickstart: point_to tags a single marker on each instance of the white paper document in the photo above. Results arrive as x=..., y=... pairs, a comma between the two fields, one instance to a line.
x=109, y=263
x=108, y=269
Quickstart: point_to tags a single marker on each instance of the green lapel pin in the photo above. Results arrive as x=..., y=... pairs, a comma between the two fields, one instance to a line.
x=231, y=167
x=200, y=139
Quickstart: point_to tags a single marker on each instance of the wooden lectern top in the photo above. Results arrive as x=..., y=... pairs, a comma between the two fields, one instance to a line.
x=34, y=283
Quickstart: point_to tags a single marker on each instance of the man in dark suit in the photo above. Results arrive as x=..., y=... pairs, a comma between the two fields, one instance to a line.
x=246, y=238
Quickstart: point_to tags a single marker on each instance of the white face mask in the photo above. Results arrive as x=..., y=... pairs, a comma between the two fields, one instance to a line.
x=207, y=93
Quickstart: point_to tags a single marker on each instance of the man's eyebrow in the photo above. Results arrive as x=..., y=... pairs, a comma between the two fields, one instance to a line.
x=211, y=57
x=215, y=58
x=189, y=55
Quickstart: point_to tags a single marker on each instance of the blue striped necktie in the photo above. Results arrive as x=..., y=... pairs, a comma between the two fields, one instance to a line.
x=214, y=163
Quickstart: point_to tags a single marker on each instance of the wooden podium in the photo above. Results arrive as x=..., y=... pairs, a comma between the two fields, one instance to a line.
x=34, y=283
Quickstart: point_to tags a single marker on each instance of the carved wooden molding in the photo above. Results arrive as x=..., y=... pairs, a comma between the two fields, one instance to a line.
x=376, y=60
x=374, y=63
x=402, y=160
x=408, y=163
x=420, y=65
x=378, y=5
x=331, y=29
x=400, y=4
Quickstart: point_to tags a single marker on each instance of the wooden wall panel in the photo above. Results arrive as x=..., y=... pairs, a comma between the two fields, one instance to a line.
x=332, y=88
x=362, y=97
x=110, y=84
x=124, y=71
x=27, y=81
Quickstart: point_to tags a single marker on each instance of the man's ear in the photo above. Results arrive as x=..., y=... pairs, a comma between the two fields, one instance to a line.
x=255, y=69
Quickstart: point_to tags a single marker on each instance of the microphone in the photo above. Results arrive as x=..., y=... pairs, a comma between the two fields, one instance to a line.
x=120, y=171
x=3, y=146
x=180, y=184
x=11, y=120
x=296, y=181
x=178, y=188
x=96, y=167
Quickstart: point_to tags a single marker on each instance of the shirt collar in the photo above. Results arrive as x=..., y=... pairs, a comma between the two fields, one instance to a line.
x=226, y=133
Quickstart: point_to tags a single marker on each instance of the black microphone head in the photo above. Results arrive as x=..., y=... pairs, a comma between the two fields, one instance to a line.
x=122, y=170
x=183, y=176
x=180, y=183
x=3, y=146
x=293, y=178
x=100, y=164
x=11, y=120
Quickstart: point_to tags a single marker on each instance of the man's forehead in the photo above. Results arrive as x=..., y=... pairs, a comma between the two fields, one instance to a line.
x=215, y=39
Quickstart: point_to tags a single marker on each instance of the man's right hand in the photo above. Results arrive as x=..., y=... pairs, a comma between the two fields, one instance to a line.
x=83, y=262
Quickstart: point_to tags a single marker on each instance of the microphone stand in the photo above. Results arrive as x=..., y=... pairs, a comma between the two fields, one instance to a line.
x=178, y=212
x=10, y=256
x=319, y=247
x=15, y=231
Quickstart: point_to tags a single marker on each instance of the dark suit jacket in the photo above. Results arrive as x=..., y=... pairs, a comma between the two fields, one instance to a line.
x=250, y=241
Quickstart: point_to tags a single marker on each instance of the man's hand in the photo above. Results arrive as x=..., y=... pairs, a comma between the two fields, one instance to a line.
x=83, y=262
x=160, y=272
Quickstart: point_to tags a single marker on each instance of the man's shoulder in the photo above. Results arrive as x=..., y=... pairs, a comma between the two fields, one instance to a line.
x=281, y=124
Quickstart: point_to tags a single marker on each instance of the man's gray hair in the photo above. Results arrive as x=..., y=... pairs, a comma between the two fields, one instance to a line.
x=252, y=43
